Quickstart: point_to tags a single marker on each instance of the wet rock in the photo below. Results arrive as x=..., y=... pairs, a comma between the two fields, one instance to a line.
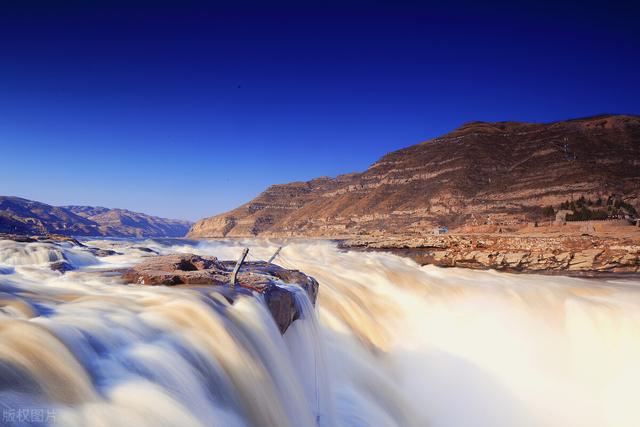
x=177, y=270
x=103, y=252
x=260, y=277
x=145, y=249
x=282, y=306
x=57, y=238
x=61, y=266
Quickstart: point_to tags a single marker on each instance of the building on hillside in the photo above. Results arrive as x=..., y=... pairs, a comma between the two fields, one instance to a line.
x=440, y=230
x=561, y=216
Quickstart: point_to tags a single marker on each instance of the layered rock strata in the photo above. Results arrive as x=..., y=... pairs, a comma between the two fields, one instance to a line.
x=482, y=174
x=573, y=255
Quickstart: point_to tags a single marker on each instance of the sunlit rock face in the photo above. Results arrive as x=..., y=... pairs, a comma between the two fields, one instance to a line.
x=479, y=174
x=579, y=255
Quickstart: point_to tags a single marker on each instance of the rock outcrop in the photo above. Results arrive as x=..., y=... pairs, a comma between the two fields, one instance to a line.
x=261, y=277
x=573, y=255
x=493, y=174
x=27, y=217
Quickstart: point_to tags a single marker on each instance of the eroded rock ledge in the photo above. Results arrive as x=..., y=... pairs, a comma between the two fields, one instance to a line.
x=262, y=277
x=572, y=255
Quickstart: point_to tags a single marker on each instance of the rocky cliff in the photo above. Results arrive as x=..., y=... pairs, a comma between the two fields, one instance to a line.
x=482, y=174
x=27, y=217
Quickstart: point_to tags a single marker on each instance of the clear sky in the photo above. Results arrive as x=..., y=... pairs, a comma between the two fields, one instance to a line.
x=185, y=109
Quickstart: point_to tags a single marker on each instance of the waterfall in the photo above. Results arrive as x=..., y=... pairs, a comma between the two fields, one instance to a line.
x=389, y=343
x=305, y=345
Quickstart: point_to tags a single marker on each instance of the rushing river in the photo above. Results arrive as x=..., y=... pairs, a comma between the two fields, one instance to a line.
x=388, y=344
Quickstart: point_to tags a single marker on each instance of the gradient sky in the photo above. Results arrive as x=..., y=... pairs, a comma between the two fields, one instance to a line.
x=185, y=109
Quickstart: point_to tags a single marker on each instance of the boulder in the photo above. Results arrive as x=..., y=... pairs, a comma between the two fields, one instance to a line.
x=177, y=270
x=145, y=249
x=102, y=252
x=61, y=266
x=260, y=277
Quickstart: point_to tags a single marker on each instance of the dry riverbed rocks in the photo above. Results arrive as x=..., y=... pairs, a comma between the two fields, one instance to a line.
x=579, y=255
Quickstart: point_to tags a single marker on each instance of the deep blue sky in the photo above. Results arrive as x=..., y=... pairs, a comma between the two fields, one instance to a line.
x=186, y=109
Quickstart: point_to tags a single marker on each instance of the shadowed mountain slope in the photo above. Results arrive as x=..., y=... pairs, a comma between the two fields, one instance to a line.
x=22, y=216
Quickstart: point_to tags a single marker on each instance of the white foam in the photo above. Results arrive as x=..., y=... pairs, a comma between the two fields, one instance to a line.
x=394, y=344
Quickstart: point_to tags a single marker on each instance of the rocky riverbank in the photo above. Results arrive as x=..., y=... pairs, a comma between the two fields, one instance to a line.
x=571, y=255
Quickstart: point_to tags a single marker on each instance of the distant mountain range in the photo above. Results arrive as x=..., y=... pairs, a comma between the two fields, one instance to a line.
x=22, y=216
x=482, y=174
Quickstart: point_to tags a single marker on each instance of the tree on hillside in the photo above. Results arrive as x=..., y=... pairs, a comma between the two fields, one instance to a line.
x=548, y=211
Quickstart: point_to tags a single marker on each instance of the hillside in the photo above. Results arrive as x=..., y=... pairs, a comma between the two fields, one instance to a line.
x=22, y=216
x=481, y=174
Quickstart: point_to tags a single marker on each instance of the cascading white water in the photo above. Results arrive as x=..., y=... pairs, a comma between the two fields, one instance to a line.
x=394, y=344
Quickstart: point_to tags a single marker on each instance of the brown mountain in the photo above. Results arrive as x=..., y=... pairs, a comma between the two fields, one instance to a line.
x=478, y=175
x=22, y=216
x=122, y=222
